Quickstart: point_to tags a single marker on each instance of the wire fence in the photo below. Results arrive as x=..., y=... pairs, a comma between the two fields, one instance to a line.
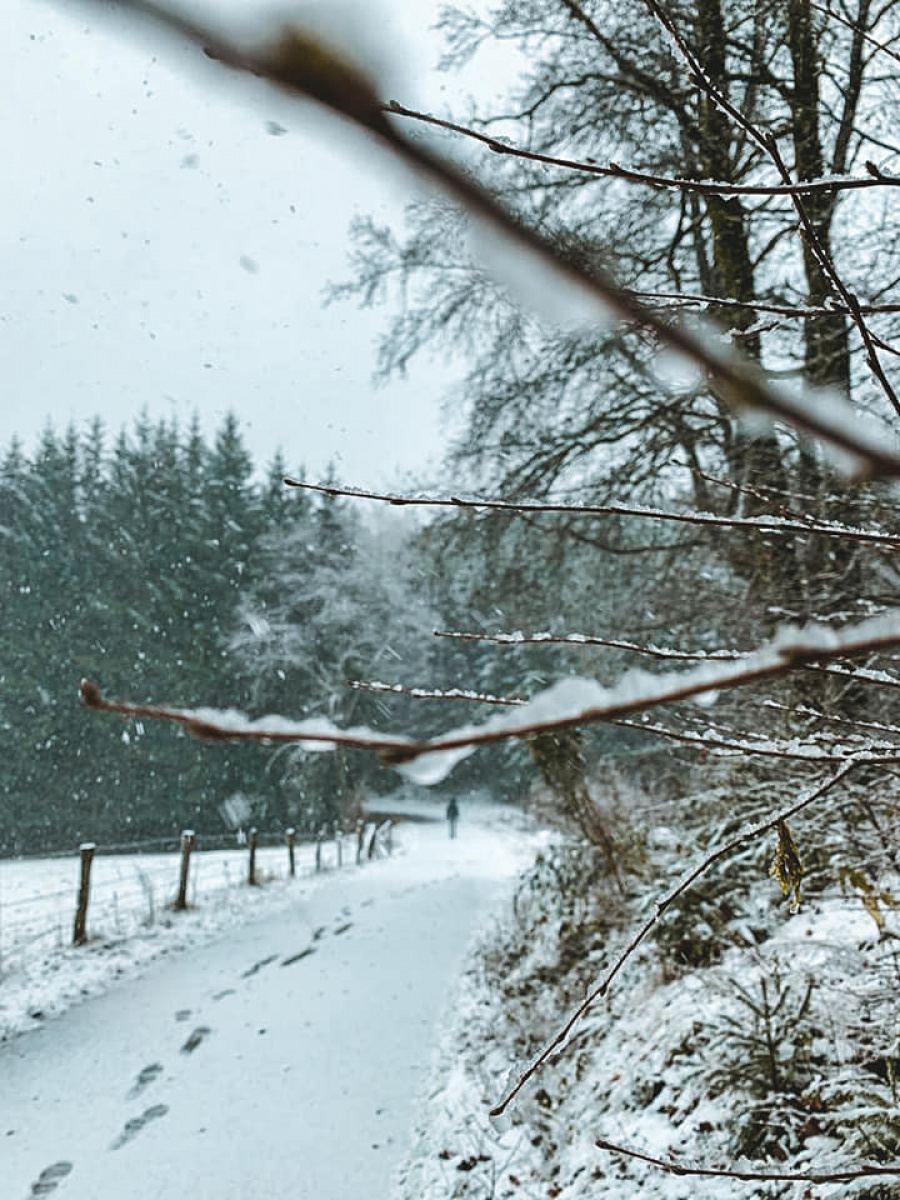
x=135, y=886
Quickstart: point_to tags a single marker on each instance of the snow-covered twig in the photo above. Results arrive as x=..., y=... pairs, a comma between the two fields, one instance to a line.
x=751, y=833
x=419, y=693
x=566, y=705
x=806, y=711
x=768, y=525
x=516, y=638
x=703, y=187
x=845, y=1175
x=584, y=639
x=796, y=311
x=882, y=754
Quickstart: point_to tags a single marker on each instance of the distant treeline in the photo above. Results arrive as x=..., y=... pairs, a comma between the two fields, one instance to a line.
x=170, y=569
x=127, y=564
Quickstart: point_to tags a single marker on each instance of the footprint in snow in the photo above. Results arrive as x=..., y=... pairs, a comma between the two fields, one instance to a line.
x=343, y=928
x=182, y=1014
x=50, y=1179
x=225, y=992
x=144, y=1078
x=196, y=1037
x=258, y=966
x=286, y=962
x=133, y=1127
x=320, y=933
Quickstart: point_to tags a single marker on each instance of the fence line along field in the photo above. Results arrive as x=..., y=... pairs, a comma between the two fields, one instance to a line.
x=132, y=901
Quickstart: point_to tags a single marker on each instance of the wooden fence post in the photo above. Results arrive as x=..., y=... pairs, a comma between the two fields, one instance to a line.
x=252, y=838
x=291, y=835
x=388, y=828
x=339, y=845
x=84, y=890
x=373, y=842
x=319, y=837
x=187, y=845
x=360, y=840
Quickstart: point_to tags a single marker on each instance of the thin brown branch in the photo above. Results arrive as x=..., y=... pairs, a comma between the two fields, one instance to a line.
x=747, y=835
x=766, y=525
x=843, y=1175
x=212, y=725
x=306, y=67
x=613, y=170
x=589, y=704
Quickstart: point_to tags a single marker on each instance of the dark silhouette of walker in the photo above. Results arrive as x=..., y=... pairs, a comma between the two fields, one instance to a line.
x=452, y=817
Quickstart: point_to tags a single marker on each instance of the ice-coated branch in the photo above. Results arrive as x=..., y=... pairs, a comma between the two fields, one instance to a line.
x=307, y=67
x=747, y=835
x=704, y=187
x=860, y=674
x=880, y=754
x=584, y=639
x=420, y=693
x=843, y=1175
x=567, y=704
x=768, y=525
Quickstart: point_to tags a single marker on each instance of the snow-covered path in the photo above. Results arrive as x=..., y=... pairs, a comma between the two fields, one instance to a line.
x=281, y=1061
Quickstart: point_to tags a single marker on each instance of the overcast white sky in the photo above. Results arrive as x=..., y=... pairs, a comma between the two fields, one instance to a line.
x=162, y=249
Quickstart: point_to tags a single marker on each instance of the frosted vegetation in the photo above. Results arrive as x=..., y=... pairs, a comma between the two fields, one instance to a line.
x=700, y=976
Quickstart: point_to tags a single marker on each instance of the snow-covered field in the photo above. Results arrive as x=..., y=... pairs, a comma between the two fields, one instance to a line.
x=130, y=920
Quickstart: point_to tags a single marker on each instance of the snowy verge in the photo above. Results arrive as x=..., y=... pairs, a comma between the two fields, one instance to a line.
x=673, y=1064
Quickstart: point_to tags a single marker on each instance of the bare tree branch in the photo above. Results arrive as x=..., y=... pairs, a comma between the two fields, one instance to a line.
x=615, y=171
x=844, y=1175
x=567, y=705
x=767, y=525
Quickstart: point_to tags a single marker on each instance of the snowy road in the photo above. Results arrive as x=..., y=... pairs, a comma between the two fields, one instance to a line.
x=281, y=1061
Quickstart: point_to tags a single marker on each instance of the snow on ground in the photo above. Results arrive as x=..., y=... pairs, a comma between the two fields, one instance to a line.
x=638, y=1070
x=130, y=921
x=284, y=1057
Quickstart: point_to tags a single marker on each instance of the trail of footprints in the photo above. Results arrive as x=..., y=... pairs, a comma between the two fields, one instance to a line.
x=51, y=1177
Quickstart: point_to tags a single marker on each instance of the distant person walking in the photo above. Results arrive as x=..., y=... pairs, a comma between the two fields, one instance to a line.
x=452, y=816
